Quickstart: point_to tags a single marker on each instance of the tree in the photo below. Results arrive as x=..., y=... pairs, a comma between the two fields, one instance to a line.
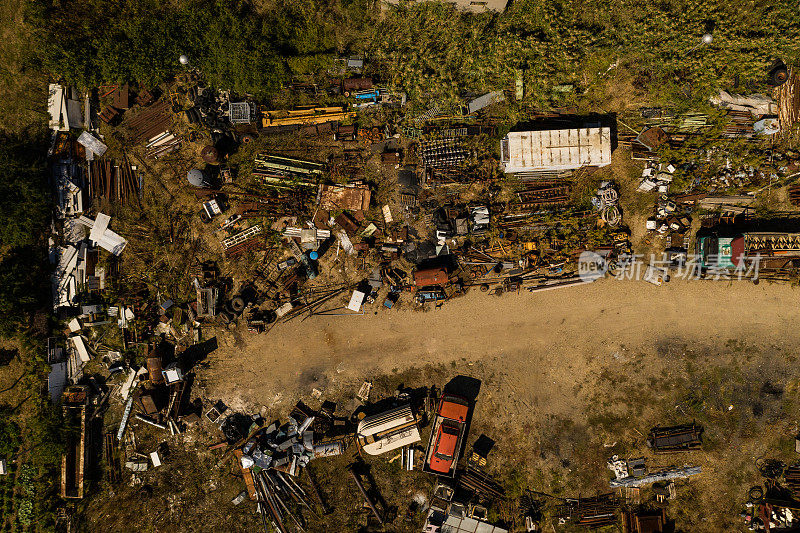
x=9, y=433
x=24, y=200
x=23, y=287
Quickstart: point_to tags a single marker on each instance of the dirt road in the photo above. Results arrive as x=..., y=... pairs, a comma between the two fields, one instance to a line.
x=549, y=340
x=569, y=377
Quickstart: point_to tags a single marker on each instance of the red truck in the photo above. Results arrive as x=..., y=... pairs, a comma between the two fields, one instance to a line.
x=447, y=435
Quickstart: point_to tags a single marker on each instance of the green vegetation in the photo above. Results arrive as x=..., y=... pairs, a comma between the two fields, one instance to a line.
x=9, y=433
x=431, y=50
x=609, y=53
x=24, y=197
x=236, y=44
x=24, y=212
x=30, y=433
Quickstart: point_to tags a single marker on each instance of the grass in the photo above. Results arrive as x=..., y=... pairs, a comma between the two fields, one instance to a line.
x=21, y=83
x=570, y=455
x=563, y=454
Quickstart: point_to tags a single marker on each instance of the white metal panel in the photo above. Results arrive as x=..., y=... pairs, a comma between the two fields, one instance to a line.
x=113, y=242
x=92, y=143
x=386, y=420
x=347, y=245
x=485, y=527
x=356, y=300
x=99, y=227
x=72, y=289
x=469, y=524
x=394, y=441
x=103, y=236
x=66, y=264
x=80, y=347
x=55, y=105
x=573, y=149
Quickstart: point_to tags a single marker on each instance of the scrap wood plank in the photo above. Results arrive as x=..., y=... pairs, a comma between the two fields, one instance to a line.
x=788, y=97
x=247, y=473
x=112, y=458
x=478, y=481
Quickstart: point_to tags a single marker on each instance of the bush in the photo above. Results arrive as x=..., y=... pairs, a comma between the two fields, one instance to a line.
x=9, y=434
x=24, y=197
x=94, y=42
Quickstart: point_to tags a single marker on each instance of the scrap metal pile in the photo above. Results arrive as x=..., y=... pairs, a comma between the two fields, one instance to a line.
x=719, y=183
x=360, y=213
x=304, y=216
x=287, y=448
x=774, y=505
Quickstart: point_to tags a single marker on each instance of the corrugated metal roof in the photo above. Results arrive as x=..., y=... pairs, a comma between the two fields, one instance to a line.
x=57, y=380
x=525, y=151
x=486, y=100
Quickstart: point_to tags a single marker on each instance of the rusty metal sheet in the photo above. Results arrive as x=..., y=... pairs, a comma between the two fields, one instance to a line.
x=350, y=197
x=432, y=276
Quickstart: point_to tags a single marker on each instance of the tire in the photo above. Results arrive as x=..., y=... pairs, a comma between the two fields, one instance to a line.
x=237, y=304
x=225, y=317
x=778, y=76
x=247, y=139
x=755, y=494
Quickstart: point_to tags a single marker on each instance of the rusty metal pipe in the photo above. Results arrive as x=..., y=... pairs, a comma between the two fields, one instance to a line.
x=365, y=495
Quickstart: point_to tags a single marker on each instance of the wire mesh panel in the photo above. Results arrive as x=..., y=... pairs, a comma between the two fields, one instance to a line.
x=239, y=112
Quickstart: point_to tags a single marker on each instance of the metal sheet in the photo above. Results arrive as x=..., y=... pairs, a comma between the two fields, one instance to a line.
x=356, y=300
x=80, y=347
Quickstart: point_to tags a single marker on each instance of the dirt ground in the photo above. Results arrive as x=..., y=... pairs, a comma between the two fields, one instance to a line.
x=569, y=377
x=566, y=335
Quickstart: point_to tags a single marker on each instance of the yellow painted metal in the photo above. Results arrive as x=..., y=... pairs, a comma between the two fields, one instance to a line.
x=308, y=116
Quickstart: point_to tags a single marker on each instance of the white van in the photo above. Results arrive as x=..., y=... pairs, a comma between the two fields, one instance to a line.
x=388, y=431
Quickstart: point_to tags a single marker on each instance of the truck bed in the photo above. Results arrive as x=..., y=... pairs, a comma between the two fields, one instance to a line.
x=437, y=421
